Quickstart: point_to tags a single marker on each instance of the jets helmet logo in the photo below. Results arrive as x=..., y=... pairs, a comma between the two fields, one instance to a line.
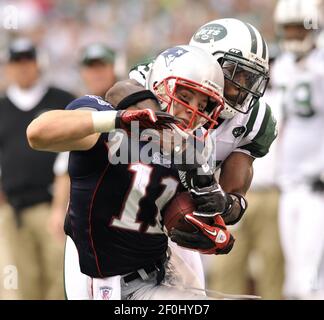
x=210, y=33
x=171, y=54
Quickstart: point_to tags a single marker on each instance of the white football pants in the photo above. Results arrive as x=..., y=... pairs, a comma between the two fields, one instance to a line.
x=184, y=271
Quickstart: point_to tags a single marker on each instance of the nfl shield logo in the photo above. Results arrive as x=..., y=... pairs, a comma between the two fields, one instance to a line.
x=105, y=292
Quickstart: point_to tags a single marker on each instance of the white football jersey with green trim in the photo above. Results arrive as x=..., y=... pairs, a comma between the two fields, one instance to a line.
x=250, y=133
x=301, y=150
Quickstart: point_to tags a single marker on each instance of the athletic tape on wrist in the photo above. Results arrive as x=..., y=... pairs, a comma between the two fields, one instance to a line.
x=103, y=121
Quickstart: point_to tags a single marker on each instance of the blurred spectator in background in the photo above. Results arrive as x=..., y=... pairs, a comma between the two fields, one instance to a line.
x=320, y=37
x=299, y=72
x=27, y=176
x=135, y=29
x=97, y=69
x=320, y=40
x=255, y=264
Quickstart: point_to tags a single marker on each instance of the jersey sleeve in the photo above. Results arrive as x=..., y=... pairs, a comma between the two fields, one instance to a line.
x=90, y=102
x=261, y=131
x=140, y=71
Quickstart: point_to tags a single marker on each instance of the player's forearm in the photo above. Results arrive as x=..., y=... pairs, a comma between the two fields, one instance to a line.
x=64, y=130
x=237, y=173
x=59, y=127
x=235, y=179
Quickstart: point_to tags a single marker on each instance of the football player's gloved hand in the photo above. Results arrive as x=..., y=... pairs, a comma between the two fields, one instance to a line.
x=147, y=118
x=208, y=239
x=211, y=200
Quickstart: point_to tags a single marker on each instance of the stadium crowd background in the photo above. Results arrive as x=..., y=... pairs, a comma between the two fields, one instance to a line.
x=135, y=29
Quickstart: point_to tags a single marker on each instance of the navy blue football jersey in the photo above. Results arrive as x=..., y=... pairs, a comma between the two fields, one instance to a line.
x=114, y=215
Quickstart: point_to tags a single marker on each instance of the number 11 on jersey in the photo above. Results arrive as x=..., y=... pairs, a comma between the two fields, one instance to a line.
x=138, y=190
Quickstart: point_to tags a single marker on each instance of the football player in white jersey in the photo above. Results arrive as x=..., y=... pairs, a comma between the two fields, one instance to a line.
x=247, y=127
x=299, y=72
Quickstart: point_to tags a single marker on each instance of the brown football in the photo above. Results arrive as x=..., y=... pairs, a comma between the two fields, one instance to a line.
x=180, y=205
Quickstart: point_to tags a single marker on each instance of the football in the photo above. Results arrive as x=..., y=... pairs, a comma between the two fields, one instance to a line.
x=173, y=217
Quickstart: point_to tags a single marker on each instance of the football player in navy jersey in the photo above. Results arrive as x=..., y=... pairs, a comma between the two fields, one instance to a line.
x=115, y=217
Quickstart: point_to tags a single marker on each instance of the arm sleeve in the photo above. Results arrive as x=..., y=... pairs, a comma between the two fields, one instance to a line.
x=93, y=103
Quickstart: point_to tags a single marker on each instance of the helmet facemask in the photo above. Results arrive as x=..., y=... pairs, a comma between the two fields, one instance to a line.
x=167, y=92
x=245, y=83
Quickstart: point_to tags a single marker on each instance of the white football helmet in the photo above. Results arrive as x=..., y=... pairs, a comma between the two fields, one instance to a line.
x=192, y=68
x=243, y=54
x=305, y=13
